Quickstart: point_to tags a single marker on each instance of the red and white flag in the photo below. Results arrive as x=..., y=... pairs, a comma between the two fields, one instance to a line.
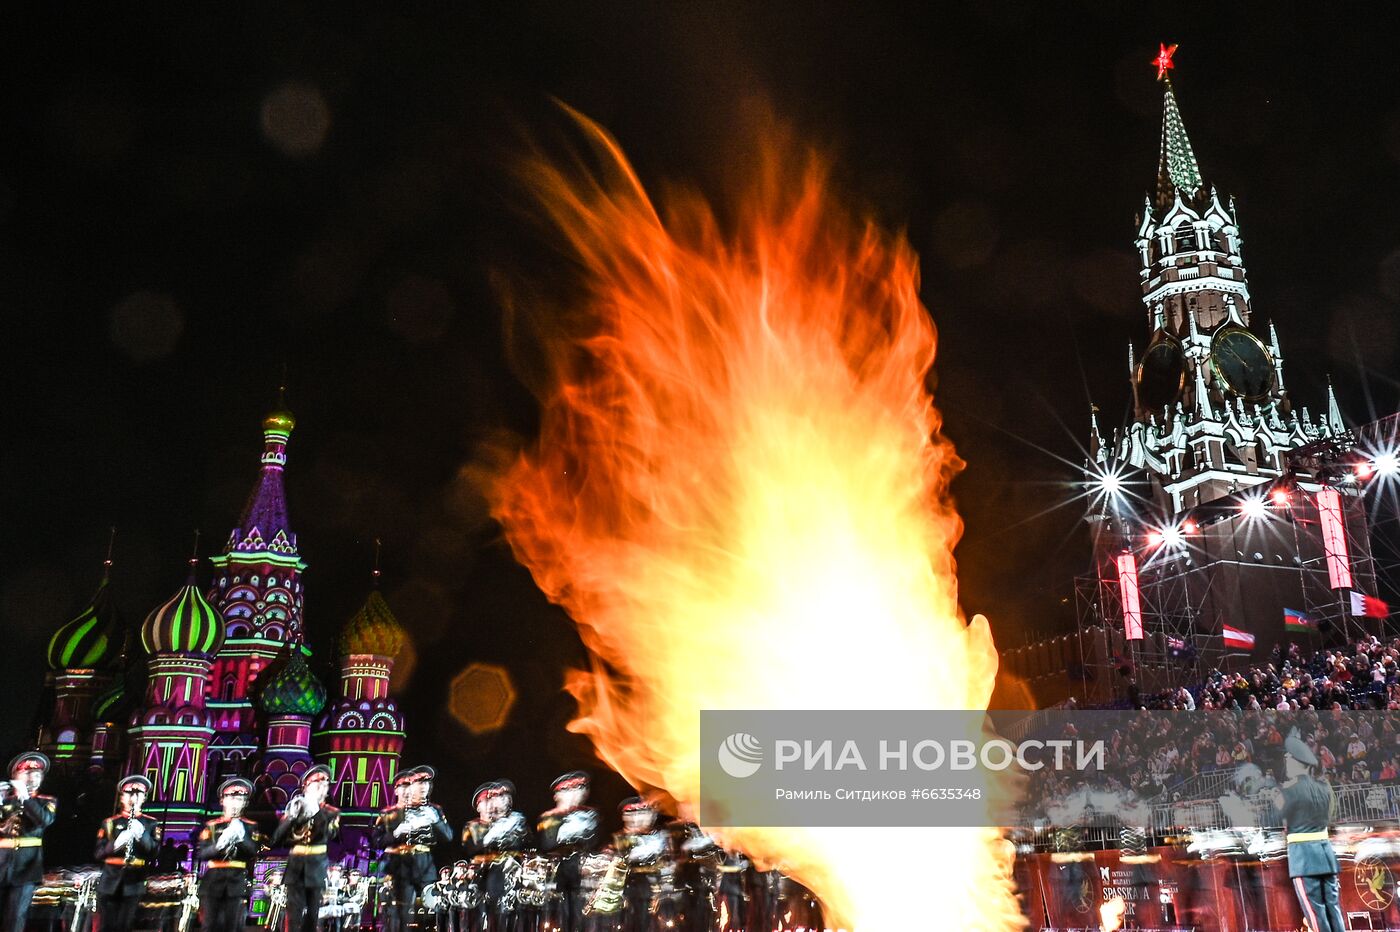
x=1234, y=637
x=1368, y=606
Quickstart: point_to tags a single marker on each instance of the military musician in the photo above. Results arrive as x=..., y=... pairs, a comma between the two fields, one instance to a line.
x=567, y=832
x=494, y=840
x=407, y=833
x=648, y=851
x=307, y=825
x=1307, y=804
x=24, y=814
x=227, y=844
x=126, y=843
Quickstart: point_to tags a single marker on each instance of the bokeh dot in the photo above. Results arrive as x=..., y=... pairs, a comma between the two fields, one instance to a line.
x=146, y=325
x=481, y=697
x=296, y=119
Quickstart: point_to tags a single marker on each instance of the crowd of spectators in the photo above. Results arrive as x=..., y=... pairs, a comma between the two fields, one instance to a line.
x=1322, y=692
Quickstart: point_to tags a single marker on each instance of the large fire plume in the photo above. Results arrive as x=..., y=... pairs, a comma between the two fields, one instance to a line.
x=740, y=495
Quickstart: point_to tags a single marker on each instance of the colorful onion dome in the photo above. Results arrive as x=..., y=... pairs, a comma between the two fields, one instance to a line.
x=279, y=421
x=372, y=630
x=292, y=689
x=93, y=639
x=185, y=624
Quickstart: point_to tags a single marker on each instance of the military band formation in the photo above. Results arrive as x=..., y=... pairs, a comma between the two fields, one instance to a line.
x=562, y=873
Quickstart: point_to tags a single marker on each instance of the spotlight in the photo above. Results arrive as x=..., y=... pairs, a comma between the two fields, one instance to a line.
x=1386, y=464
x=1172, y=536
x=1189, y=527
x=1155, y=538
x=1253, y=508
x=1279, y=497
x=1363, y=471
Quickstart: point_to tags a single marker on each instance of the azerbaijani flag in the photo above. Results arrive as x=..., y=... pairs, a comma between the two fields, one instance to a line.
x=1236, y=638
x=1294, y=620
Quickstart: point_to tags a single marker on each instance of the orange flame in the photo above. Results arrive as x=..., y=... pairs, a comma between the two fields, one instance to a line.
x=740, y=495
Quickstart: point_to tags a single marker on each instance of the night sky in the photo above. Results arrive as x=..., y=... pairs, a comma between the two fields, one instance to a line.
x=192, y=200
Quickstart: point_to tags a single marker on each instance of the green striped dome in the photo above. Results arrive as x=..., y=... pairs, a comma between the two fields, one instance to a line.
x=372, y=630
x=293, y=689
x=92, y=640
x=186, y=624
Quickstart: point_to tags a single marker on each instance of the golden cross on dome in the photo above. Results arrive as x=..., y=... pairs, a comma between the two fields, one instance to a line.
x=1163, y=61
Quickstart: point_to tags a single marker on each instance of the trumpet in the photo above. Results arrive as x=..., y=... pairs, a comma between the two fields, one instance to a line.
x=85, y=902
x=190, y=904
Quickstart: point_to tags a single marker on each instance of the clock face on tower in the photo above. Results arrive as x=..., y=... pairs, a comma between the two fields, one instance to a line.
x=1161, y=374
x=1242, y=362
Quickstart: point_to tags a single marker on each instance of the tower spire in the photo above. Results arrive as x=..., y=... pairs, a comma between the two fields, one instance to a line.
x=1334, y=412
x=1177, y=171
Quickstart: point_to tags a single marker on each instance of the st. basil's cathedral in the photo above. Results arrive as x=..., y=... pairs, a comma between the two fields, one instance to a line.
x=214, y=682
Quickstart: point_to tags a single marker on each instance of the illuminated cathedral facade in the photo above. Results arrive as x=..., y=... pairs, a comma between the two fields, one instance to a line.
x=215, y=682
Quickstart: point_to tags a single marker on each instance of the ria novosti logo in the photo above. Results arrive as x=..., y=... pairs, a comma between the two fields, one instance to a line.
x=740, y=755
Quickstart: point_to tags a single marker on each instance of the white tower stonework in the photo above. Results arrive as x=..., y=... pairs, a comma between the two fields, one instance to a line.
x=1193, y=547
x=1210, y=412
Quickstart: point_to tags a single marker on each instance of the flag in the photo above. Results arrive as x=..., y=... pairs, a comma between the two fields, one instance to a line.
x=1294, y=620
x=1234, y=637
x=1368, y=606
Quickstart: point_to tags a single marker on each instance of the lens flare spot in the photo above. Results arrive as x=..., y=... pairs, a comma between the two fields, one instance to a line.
x=481, y=697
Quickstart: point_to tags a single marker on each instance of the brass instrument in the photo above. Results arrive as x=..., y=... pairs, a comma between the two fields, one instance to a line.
x=604, y=878
x=537, y=880
x=189, y=905
x=276, y=905
x=85, y=903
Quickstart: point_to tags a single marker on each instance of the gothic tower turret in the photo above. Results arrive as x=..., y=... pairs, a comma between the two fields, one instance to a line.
x=1179, y=537
x=1210, y=413
x=257, y=592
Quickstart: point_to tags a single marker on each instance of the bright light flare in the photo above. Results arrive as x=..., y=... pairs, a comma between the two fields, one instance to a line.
x=740, y=495
x=1386, y=464
x=1280, y=498
x=1254, y=508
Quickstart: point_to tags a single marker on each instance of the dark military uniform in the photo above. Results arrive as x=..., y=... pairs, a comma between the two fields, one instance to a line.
x=1312, y=862
x=223, y=890
x=305, y=877
x=409, y=857
x=489, y=846
x=124, y=869
x=649, y=857
x=578, y=827
x=21, y=854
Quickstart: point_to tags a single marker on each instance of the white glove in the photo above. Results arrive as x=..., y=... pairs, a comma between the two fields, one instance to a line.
x=21, y=790
x=231, y=835
x=576, y=826
x=403, y=828
x=124, y=838
x=137, y=828
x=646, y=848
x=295, y=807
x=504, y=826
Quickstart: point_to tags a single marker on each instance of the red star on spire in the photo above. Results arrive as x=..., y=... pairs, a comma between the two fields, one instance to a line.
x=1163, y=61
